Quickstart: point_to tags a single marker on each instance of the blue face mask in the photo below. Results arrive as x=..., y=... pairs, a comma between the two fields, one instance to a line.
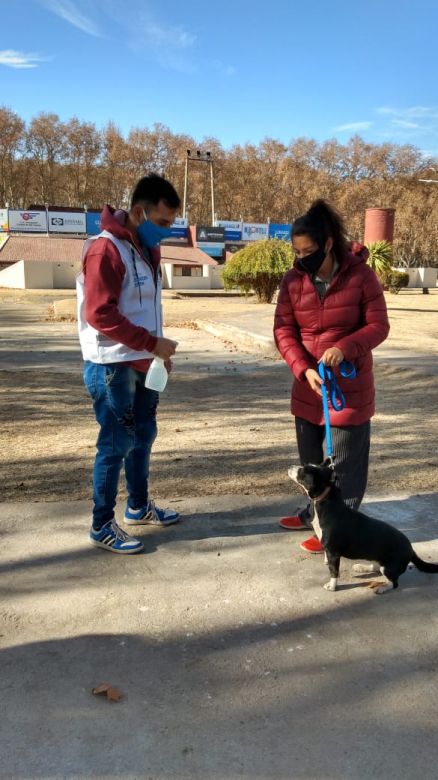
x=151, y=234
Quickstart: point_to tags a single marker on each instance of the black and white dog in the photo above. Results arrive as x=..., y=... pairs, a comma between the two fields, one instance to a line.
x=346, y=533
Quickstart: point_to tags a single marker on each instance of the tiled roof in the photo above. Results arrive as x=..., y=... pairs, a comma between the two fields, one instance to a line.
x=185, y=255
x=69, y=250
x=59, y=250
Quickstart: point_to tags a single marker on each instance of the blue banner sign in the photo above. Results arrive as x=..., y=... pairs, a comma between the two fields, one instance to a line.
x=281, y=231
x=179, y=228
x=93, y=223
x=211, y=249
x=233, y=230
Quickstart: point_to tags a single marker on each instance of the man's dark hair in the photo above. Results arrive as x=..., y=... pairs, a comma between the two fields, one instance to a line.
x=153, y=188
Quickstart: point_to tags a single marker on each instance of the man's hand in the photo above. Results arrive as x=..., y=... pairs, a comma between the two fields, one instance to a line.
x=332, y=356
x=168, y=365
x=314, y=380
x=165, y=348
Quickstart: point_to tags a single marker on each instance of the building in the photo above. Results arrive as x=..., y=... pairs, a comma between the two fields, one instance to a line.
x=35, y=262
x=48, y=262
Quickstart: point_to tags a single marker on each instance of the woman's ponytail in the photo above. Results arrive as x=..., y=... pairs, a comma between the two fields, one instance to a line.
x=322, y=222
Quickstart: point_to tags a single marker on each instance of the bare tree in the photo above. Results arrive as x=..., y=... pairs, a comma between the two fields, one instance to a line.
x=73, y=163
x=45, y=146
x=11, y=144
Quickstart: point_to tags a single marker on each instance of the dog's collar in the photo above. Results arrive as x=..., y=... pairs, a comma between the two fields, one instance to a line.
x=323, y=495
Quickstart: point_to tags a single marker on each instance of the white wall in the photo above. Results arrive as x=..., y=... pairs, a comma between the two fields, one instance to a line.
x=216, y=278
x=167, y=275
x=64, y=275
x=191, y=283
x=427, y=277
x=13, y=276
x=172, y=282
x=38, y=275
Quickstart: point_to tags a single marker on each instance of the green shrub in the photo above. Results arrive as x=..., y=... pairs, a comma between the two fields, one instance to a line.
x=381, y=256
x=393, y=280
x=260, y=267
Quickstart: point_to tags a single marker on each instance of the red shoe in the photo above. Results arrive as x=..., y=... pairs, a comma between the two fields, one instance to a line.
x=312, y=545
x=293, y=523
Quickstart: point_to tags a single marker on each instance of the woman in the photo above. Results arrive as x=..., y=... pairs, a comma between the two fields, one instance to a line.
x=330, y=308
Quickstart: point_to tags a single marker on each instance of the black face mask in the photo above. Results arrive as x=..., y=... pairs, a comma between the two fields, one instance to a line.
x=312, y=263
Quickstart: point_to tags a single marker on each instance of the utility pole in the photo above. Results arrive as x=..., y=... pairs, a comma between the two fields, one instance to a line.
x=186, y=179
x=212, y=189
x=202, y=157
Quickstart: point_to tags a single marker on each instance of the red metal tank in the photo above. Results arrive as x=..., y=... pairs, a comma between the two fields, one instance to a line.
x=379, y=225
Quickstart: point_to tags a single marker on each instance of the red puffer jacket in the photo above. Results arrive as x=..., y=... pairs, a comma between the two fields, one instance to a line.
x=352, y=316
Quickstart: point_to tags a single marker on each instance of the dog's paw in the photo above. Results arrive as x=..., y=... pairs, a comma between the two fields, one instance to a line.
x=332, y=585
x=380, y=587
x=365, y=568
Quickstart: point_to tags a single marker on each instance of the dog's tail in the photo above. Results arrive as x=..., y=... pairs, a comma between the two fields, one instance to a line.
x=430, y=568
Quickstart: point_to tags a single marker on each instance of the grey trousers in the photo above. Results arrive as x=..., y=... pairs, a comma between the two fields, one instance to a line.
x=351, y=447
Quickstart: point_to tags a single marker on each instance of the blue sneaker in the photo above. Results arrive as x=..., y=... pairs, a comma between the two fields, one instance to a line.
x=151, y=515
x=111, y=537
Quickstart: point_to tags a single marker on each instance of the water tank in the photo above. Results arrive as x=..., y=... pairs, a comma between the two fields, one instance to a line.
x=379, y=225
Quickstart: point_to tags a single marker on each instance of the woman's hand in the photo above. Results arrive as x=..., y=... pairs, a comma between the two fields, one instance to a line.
x=332, y=356
x=314, y=380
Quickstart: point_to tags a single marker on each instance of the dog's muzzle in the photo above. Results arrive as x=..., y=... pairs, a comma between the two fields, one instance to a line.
x=292, y=472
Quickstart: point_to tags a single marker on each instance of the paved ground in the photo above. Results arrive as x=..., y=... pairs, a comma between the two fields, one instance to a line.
x=233, y=661
x=253, y=329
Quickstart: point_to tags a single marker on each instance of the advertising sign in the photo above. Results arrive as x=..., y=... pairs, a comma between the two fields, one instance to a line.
x=93, y=223
x=208, y=234
x=281, y=231
x=4, y=221
x=27, y=221
x=211, y=249
x=179, y=228
x=67, y=222
x=233, y=230
x=254, y=231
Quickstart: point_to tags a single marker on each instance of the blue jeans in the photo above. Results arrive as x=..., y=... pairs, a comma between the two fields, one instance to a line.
x=126, y=412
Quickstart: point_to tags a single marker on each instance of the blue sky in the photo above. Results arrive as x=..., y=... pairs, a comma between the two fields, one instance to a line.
x=238, y=71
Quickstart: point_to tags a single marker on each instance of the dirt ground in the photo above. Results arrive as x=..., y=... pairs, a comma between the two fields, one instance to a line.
x=224, y=420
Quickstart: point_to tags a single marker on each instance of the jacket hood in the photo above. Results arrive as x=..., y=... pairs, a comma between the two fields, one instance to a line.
x=357, y=252
x=114, y=220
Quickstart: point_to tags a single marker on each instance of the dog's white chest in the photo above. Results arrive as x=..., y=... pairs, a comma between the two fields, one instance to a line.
x=315, y=522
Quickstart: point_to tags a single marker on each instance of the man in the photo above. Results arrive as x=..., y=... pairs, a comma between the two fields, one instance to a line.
x=120, y=330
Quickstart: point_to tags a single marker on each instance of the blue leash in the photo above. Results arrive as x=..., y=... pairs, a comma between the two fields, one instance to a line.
x=330, y=389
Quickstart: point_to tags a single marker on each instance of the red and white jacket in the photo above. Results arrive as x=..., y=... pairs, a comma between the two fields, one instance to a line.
x=119, y=296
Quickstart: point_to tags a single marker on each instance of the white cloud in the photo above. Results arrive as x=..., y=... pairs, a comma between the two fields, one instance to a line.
x=353, y=126
x=405, y=124
x=224, y=69
x=159, y=34
x=150, y=36
x=169, y=45
x=18, y=59
x=68, y=10
x=415, y=112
